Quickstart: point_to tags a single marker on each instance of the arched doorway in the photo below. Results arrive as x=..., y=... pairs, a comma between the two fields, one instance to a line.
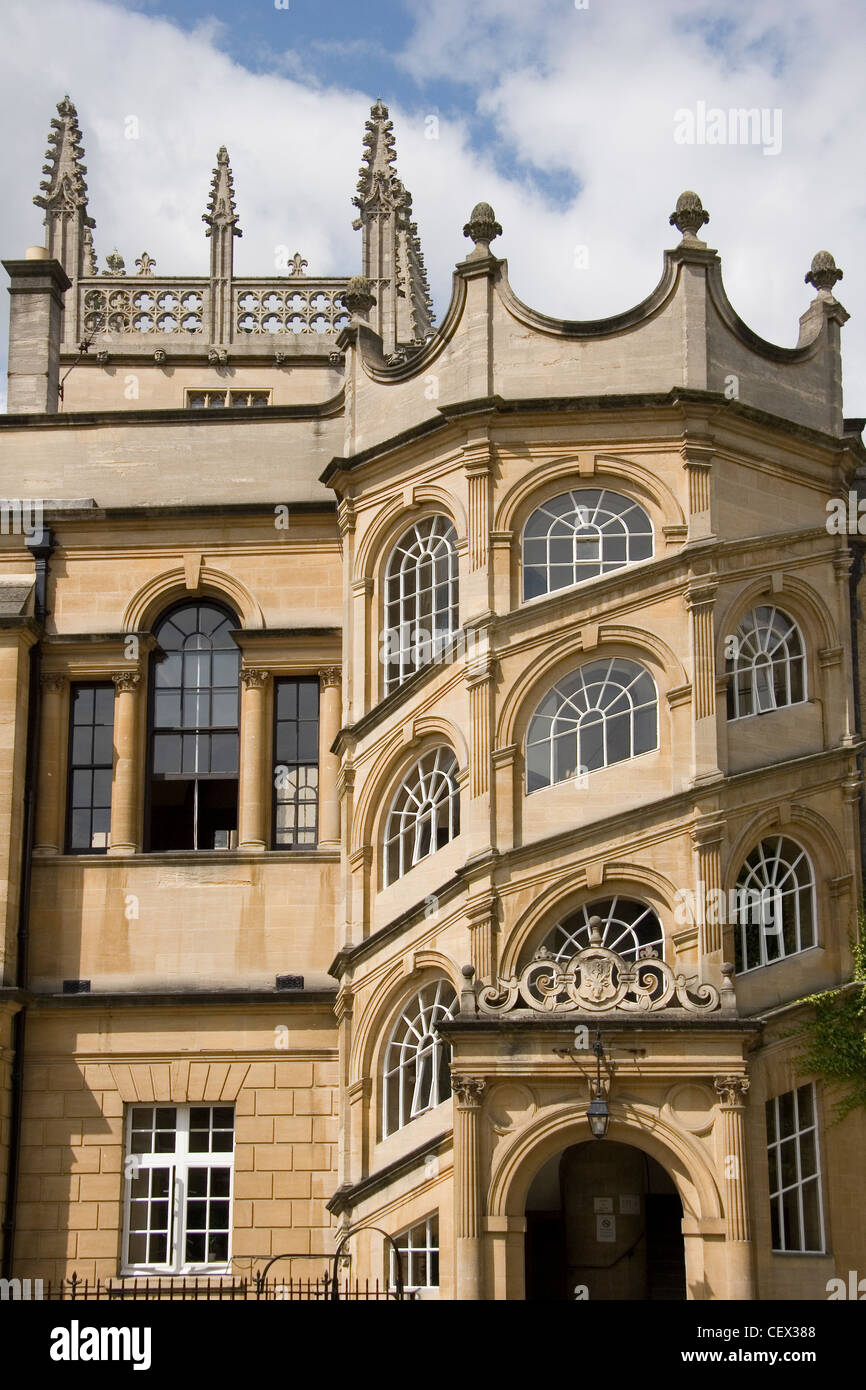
x=604, y=1221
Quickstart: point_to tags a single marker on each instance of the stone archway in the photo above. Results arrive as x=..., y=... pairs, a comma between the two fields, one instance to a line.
x=603, y=1221
x=641, y=1128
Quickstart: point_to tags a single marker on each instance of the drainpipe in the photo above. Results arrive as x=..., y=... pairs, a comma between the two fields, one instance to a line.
x=40, y=547
x=855, y=576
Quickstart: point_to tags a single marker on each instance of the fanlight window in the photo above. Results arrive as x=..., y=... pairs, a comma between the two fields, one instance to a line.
x=602, y=713
x=627, y=927
x=582, y=535
x=417, y=1061
x=425, y=813
x=767, y=669
x=420, y=598
x=774, y=904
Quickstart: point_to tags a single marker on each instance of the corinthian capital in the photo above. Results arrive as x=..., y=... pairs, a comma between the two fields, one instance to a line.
x=731, y=1090
x=328, y=676
x=467, y=1091
x=126, y=680
x=253, y=678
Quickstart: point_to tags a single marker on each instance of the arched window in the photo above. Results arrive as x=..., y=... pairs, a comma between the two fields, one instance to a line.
x=581, y=535
x=774, y=905
x=417, y=1061
x=194, y=730
x=602, y=713
x=425, y=813
x=767, y=669
x=627, y=927
x=420, y=598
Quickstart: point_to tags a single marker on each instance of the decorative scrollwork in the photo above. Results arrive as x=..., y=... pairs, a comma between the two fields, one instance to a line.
x=596, y=981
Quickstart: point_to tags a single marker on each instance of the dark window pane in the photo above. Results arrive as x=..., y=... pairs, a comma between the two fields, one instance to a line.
x=82, y=745
x=805, y=1108
x=195, y=1246
x=166, y=753
x=224, y=753
x=82, y=704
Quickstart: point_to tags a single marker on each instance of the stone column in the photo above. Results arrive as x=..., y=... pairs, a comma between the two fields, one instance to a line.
x=467, y=1227
x=731, y=1091
x=252, y=806
x=50, y=799
x=329, y=763
x=125, y=837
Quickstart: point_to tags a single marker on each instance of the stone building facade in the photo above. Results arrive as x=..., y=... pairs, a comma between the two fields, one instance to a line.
x=411, y=734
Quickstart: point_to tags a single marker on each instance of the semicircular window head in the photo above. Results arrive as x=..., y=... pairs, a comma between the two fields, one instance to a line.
x=766, y=667
x=774, y=904
x=421, y=598
x=581, y=535
x=627, y=927
x=425, y=813
x=602, y=713
x=417, y=1071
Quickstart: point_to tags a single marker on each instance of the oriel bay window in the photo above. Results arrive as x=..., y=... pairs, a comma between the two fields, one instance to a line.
x=91, y=753
x=296, y=763
x=195, y=709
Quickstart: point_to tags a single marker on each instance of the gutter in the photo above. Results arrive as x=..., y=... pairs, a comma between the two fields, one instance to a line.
x=40, y=548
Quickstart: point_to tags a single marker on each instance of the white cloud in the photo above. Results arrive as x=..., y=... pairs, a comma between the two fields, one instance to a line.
x=590, y=93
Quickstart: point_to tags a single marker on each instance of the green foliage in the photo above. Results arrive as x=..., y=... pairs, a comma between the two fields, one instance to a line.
x=834, y=1038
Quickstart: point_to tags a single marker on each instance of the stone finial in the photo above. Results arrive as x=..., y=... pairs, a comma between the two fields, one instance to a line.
x=114, y=264
x=823, y=273
x=482, y=227
x=595, y=931
x=689, y=215
x=358, y=295
x=221, y=211
x=297, y=264
x=145, y=264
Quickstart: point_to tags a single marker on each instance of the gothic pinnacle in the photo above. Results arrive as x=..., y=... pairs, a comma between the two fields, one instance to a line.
x=221, y=211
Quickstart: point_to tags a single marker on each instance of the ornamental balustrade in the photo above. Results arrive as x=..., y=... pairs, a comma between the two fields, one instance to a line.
x=596, y=980
x=189, y=310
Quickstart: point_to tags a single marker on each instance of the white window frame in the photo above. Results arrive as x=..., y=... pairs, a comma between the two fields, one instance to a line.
x=574, y=693
x=408, y=646
x=406, y=1046
x=428, y=799
x=179, y=1163
x=777, y=1193
x=605, y=514
x=404, y=1242
x=762, y=642
x=618, y=932
x=761, y=897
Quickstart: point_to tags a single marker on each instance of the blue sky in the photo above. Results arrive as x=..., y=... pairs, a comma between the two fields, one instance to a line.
x=561, y=114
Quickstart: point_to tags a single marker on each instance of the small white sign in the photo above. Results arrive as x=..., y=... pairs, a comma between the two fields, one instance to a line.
x=605, y=1228
x=629, y=1206
x=602, y=1204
